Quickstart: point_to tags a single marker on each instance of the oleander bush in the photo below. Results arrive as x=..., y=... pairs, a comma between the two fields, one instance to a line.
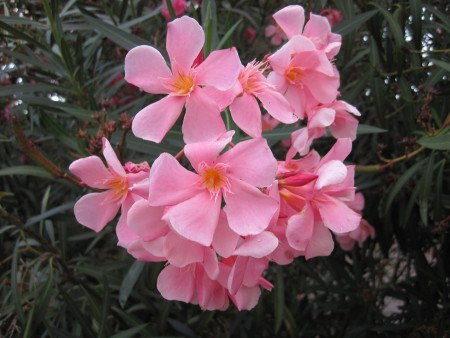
x=63, y=91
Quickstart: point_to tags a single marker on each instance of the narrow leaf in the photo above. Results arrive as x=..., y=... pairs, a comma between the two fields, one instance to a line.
x=439, y=142
x=129, y=281
x=353, y=23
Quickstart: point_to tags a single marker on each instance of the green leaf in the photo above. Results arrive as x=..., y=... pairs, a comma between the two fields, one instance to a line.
x=15, y=284
x=130, y=332
x=279, y=299
x=401, y=182
x=441, y=64
x=119, y=36
x=54, y=211
x=278, y=134
x=129, y=281
x=44, y=295
x=368, y=129
x=15, y=20
x=27, y=170
x=79, y=316
x=353, y=23
x=435, y=76
x=169, y=5
x=228, y=34
x=395, y=29
x=427, y=179
x=30, y=88
x=416, y=14
x=439, y=142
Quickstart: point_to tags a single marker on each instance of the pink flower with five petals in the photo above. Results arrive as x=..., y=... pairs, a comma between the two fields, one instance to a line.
x=184, y=83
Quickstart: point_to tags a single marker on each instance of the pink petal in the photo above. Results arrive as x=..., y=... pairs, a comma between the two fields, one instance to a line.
x=124, y=233
x=278, y=81
x=220, y=69
x=246, y=113
x=138, y=251
x=321, y=243
x=344, y=126
x=331, y=173
x=246, y=298
x=91, y=171
x=318, y=29
x=248, y=210
x=154, y=121
x=300, y=228
x=277, y=106
x=251, y=161
x=255, y=269
x=196, y=219
x=156, y=247
x=181, y=252
x=202, y=121
x=111, y=158
x=94, y=211
x=146, y=221
x=291, y=19
x=170, y=183
x=336, y=215
x=211, y=295
x=339, y=151
x=258, y=246
x=321, y=118
x=176, y=283
x=185, y=38
x=225, y=239
x=144, y=68
x=237, y=273
x=210, y=263
x=324, y=88
x=206, y=151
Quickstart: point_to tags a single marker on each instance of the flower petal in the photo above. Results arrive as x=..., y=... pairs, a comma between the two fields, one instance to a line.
x=202, y=121
x=170, y=183
x=291, y=19
x=111, y=158
x=94, y=212
x=176, y=283
x=336, y=215
x=251, y=161
x=331, y=173
x=258, y=246
x=146, y=221
x=206, y=151
x=300, y=228
x=321, y=243
x=247, y=114
x=91, y=171
x=225, y=239
x=180, y=251
x=154, y=121
x=277, y=106
x=185, y=38
x=144, y=68
x=196, y=219
x=220, y=69
x=248, y=210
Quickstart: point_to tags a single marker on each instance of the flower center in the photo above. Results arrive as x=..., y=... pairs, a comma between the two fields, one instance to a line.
x=214, y=178
x=294, y=75
x=119, y=186
x=251, y=78
x=183, y=84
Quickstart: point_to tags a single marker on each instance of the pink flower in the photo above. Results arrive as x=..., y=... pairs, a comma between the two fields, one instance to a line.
x=360, y=234
x=277, y=34
x=316, y=193
x=304, y=74
x=245, y=108
x=146, y=68
x=123, y=188
x=179, y=6
x=291, y=20
x=195, y=199
x=333, y=16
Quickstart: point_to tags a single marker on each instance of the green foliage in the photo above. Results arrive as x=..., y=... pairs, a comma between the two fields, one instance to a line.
x=62, y=67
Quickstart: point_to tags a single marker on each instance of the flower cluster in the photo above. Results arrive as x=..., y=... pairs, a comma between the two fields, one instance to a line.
x=218, y=221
